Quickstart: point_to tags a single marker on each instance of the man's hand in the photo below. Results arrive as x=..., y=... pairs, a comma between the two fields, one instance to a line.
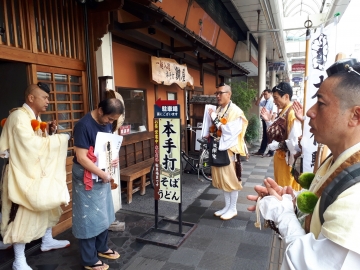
x=298, y=109
x=299, y=142
x=52, y=127
x=106, y=178
x=115, y=162
x=265, y=114
x=263, y=191
x=270, y=188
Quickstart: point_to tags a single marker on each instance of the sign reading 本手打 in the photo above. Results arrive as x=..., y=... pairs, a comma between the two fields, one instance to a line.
x=167, y=71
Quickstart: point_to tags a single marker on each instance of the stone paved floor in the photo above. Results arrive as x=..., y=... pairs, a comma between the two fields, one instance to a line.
x=214, y=244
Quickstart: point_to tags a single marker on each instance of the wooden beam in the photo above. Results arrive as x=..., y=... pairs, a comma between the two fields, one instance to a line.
x=201, y=69
x=188, y=11
x=184, y=49
x=135, y=25
x=15, y=54
x=209, y=60
x=147, y=44
x=182, y=35
x=237, y=75
x=109, y=5
x=224, y=68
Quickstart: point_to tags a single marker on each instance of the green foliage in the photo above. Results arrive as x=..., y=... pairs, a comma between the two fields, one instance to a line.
x=252, y=131
x=305, y=179
x=306, y=202
x=243, y=95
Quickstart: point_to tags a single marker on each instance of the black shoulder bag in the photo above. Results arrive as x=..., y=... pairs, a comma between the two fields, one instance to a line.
x=217, y=158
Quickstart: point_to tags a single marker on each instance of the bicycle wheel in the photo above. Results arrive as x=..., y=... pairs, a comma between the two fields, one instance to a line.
x=190, y=165
x=204, y=164
x=152, y=175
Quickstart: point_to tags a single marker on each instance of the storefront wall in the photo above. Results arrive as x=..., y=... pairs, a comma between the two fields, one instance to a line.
x=44, y=39
x=131, y=62
x=201, y=23
x=131, y=71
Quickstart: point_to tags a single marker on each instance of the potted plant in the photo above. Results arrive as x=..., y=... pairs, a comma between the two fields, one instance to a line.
x=243, y=95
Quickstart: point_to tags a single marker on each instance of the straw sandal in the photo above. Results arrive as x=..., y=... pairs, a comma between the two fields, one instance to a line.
x=107, y=255
x=97, y=265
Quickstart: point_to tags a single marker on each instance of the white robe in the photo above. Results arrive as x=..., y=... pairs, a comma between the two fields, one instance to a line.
x=335, y=244
x=35, y=178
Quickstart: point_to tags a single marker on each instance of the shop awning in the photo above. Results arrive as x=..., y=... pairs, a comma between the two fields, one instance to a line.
x=208, y=57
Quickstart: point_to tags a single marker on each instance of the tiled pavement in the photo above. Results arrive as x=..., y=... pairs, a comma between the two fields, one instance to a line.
x=214, y=244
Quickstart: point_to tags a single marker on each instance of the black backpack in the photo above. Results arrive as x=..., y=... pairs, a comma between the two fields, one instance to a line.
x=344, y=180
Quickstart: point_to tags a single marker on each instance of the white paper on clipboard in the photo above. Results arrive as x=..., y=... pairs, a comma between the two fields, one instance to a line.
x=207, y=122
x=100, y=151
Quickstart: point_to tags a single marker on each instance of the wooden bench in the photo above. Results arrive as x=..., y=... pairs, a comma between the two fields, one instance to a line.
x=136, y=157
x=130, y=174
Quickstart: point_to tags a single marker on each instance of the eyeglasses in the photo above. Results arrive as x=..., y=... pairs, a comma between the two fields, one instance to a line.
x=219, y=93
x=341, y=65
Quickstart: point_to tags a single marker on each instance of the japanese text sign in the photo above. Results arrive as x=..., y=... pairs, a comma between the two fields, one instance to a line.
x=298, y=67
x=167, y=170
x=167, y=71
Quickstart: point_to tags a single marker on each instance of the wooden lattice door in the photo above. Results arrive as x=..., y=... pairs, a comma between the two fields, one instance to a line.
x=67, y=105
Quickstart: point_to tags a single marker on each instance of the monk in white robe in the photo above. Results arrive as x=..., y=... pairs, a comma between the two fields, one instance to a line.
x=231, y=125
x=34, y=181
x=335, y=122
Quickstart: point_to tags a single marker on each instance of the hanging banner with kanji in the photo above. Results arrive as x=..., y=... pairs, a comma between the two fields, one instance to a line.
x=167, y=165
x=167, y=71
x=322, y=56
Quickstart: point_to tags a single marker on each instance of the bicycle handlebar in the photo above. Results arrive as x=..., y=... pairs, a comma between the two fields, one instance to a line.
x=202, y=141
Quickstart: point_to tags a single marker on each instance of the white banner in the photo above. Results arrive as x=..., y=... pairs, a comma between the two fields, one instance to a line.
x=322, y=56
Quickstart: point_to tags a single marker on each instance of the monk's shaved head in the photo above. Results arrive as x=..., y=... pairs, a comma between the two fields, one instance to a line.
x=36, y=98
x=30, y=90
x=227, y=88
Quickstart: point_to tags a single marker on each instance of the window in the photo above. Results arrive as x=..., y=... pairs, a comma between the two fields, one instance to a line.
x=171, y=96
x=135, y=110
x=66, y=104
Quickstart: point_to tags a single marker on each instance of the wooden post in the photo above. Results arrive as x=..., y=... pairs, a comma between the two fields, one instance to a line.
x=307, y=51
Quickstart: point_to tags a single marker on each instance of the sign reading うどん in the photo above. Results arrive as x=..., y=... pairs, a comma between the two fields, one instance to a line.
x=167, y=71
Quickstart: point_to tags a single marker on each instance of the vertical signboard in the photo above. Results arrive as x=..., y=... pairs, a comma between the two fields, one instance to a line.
x=167, y=170
x=317, y=74
x=166, y=175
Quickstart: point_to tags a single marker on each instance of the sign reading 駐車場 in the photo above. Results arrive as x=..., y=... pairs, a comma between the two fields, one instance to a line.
x=167, y=71
x=167, y=165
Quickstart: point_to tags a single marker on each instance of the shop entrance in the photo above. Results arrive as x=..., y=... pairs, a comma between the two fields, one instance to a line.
x=13, y=82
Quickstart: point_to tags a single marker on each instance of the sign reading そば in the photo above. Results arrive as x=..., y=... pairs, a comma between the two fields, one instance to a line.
x=167, y=71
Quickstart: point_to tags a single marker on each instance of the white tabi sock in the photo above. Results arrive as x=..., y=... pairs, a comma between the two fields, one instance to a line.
x=227, y=204
x=231, y=212
x=20, y=260
x=49, y=243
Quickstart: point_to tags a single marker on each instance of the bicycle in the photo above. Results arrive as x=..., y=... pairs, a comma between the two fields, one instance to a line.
x=200, y=165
